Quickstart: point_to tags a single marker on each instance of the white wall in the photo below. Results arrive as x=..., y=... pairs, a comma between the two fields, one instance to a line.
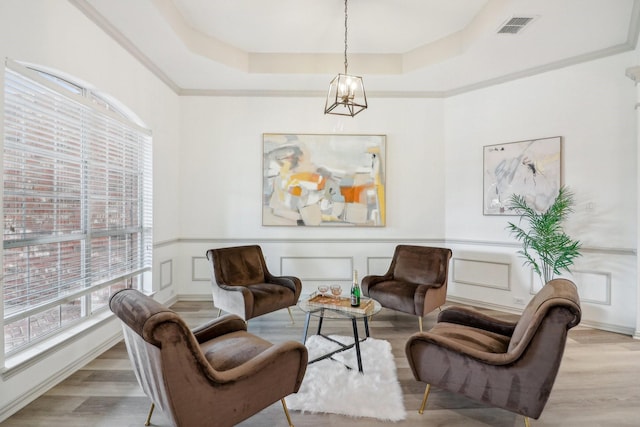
x=222, y=183
x=434, y=188
x=592, y=107
x=56, y=35
x=222, y=163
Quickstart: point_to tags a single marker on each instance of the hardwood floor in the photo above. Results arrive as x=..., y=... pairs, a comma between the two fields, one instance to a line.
x=598, y=383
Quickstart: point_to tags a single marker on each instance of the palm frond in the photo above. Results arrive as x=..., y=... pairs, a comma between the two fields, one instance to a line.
x=545, y=245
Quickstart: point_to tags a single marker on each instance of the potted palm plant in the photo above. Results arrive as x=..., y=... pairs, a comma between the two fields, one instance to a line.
x=545, y=245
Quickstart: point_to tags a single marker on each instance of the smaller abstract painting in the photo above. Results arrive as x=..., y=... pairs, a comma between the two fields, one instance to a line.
x=323, y=180
x=527, y=168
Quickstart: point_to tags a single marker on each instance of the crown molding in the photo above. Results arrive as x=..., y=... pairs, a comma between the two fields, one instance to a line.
x=91, y=13
x=591, y=56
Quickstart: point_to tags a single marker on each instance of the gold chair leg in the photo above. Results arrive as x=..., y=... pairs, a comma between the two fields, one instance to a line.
x=286, y=412
x=424, y=399
x=291, y=316
x=526, y=422
x=420, y=322
x=148, y=421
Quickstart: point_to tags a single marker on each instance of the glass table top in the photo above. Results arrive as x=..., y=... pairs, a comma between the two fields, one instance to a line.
x=340, y=309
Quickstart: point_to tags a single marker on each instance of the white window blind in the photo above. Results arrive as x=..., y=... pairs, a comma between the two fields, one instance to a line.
x=77, y=204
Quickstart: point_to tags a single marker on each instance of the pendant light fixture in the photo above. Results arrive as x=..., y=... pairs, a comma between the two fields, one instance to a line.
x=346, y=96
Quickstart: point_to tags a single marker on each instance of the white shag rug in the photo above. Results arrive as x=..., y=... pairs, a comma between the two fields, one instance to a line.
x=329, y=386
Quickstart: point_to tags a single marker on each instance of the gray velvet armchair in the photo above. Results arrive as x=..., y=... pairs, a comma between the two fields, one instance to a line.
x=416, y=282
x=510, y=365
x=216, y=375
x=242, y=284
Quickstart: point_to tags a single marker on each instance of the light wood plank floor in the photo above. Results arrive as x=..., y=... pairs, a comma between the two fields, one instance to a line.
x=598, y=383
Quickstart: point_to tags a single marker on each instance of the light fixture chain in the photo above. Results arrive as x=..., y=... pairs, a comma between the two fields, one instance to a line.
x=346, y=95
x=346, y=63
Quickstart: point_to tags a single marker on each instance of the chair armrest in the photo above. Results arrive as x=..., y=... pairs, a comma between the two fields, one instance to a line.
x=217, y=327
x=231, y=288
x=269, y=359
x=370, y=281
x=475, y=319
x=290, y=282
x=426, y=338
x=421, y=290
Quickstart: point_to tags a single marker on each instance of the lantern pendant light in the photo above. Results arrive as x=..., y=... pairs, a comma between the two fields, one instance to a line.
x=346, y=96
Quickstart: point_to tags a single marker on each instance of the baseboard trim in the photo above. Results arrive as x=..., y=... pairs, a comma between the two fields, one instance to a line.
x=608, y=327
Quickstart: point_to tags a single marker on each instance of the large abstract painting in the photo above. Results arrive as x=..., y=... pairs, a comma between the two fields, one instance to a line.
x=323, y=180
x=527, y=168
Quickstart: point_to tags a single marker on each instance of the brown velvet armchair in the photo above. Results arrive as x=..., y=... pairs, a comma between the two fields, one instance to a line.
x=216, y=375
x=416, y=282
x=510, y=365
x=242, y=284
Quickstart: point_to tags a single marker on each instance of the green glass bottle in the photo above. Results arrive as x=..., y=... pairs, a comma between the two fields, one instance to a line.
x=355, y=290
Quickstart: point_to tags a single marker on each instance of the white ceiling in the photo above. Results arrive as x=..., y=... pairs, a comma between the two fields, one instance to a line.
x=407, y=47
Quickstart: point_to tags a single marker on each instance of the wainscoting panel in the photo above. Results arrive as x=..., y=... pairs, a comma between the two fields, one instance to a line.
x=593, y=286
x=318, y=268
x=200, y=270
x=488, y=274
x=166, y=273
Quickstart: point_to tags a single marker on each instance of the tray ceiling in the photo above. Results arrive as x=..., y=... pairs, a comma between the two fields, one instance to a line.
x=400, y=47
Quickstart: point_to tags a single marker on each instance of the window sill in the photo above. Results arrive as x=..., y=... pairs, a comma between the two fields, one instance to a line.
x=22, y=360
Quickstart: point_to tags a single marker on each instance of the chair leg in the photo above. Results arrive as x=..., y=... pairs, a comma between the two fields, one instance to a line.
x=219, y=312
x=526, y=422
x=424, y=399
x=291, y=316
x=148, y=421
x=286, y=412
x=420, y=322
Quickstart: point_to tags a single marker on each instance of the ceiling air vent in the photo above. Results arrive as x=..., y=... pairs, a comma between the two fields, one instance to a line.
x=515, y=25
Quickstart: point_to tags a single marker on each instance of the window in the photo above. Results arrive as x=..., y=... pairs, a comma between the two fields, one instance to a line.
x=77, y=204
